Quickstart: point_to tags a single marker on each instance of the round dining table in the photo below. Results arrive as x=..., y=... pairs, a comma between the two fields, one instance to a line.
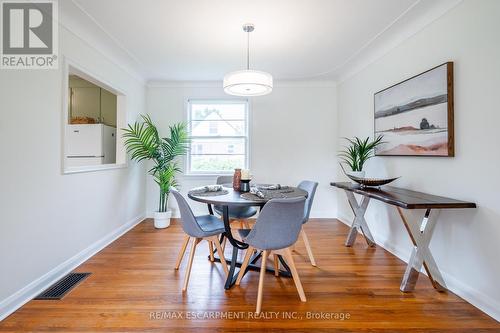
x=234, y=199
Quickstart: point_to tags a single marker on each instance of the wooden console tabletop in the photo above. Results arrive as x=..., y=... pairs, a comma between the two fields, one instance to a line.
x=404, y=198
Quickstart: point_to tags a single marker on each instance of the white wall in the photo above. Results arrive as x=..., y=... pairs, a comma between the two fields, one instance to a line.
x=466, y=242
x=292, y=135
x=47, y=217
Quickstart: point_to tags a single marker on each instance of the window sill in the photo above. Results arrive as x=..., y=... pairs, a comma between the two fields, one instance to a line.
x=205, y=175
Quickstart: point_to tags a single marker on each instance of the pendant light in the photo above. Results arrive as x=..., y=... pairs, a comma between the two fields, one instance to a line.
x=248, y=82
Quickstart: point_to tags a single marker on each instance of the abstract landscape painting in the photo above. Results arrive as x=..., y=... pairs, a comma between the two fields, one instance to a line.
x=416, y=116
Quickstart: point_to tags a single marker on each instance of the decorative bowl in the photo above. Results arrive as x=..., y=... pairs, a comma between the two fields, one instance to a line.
x=369, y=181
x=372, y=181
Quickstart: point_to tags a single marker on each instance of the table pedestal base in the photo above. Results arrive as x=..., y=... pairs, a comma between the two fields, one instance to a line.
x=252, y=266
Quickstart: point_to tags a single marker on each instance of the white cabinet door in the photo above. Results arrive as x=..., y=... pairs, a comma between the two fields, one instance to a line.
x=84, y=140
x=109, y=144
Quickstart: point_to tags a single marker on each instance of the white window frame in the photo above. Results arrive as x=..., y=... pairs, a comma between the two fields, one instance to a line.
x=246, y=138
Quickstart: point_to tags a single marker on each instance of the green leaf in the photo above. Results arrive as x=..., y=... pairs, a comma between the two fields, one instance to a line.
x=359, y=151
x=143, y=142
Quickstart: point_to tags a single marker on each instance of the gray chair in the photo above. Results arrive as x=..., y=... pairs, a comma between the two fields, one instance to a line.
x=205, y=227
x=235, y=213
x=310, y=188
x=276, y=230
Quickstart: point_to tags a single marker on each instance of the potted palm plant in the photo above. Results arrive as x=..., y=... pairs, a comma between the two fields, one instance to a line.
x=144, y=143
x=357, y=153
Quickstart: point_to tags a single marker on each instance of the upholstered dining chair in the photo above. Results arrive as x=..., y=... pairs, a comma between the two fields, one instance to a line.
x=276, y=230
x=310, y=188
x=198, y=228
x=235, y=213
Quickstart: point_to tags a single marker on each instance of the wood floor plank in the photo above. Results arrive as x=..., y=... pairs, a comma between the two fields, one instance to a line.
x=134, y=288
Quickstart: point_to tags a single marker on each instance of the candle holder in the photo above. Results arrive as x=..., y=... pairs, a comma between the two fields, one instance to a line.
x=245, y=185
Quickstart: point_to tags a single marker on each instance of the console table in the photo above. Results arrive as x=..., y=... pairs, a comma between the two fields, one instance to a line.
x=420, y=237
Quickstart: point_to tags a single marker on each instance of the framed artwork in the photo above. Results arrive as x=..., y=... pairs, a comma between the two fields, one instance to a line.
x=415, y=116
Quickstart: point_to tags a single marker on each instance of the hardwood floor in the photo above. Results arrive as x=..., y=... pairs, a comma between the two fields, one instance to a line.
x=134, y=287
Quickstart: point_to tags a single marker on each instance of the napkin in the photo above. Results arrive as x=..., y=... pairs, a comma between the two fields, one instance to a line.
x=273, y=187
x=257, y=192
x=207, y=188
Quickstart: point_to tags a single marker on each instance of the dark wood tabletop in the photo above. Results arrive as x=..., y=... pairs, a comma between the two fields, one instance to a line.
x=404, y=198
x=232, y=198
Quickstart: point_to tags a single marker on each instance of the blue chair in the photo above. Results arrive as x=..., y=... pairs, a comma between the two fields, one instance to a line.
x=310, y=188
x=276, y=230
x=235, y=213
x=205, y=227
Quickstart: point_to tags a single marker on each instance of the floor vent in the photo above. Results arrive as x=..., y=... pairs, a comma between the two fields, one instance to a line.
x=59, y=289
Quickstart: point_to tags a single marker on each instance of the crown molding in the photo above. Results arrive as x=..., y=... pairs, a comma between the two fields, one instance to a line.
x=183, y=84
x=419, y=15
x=218, y=84
x=74, y=19
x=416, y=18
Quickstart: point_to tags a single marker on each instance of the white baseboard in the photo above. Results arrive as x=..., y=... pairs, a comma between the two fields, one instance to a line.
x=475, y=297
x=24, y=295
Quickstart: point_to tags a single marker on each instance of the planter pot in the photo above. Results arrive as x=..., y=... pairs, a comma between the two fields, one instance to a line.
x=162, y=219
x=358, y=174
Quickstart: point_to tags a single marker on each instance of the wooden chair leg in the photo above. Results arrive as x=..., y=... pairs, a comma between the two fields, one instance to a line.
x=183, y=250
x=295, y=274
x=190, y=263
x=261, y=281
x=221, y=254
x=235, y=224
x=276, y=265
x=211, y=250
x=224, y=244
x=244, y=265
x=308, y=247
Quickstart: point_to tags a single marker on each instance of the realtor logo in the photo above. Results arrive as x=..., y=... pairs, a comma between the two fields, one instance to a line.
x=29, y=34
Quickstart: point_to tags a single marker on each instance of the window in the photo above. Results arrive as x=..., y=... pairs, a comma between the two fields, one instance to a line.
x=219, y=136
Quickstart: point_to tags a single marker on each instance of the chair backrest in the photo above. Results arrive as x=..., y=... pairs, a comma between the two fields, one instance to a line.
x=225, y=180
x=278, y=225
x=310, y=188
x=188, y=220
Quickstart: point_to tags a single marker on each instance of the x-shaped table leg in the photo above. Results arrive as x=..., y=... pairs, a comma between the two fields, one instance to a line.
x=359, y=220
x=421, y=255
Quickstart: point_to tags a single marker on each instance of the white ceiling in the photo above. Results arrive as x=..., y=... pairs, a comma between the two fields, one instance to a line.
x=202, y=40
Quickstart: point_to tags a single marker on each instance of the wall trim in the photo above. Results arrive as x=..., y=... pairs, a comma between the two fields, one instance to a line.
x=474, y=297
x=218, y=84
x=113, y=38
x=24, y=295
x=128, y=64
x=419, y=15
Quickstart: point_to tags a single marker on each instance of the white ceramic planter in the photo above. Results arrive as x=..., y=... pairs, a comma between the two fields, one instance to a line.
x=359, y=174
x=162, y=219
